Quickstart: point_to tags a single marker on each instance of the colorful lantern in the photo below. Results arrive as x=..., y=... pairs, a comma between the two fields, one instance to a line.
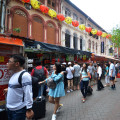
x=109, y=36
x=82, y=27
x=75, y=23
x=44, y=9
x=68, y=20
x=60, y=17
x=88, y=29
x=25, y=1
x=35, y=4
x=104, y=34
x=52, y=13
x=93, y=31
x=99, y=33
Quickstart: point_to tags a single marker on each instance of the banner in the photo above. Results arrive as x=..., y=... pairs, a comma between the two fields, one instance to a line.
x=102, y=47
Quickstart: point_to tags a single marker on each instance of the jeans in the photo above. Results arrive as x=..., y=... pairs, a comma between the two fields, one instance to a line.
x=17, y=114
x=40, y=90
x=83, y=86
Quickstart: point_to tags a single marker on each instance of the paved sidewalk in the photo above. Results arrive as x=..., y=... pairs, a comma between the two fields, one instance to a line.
x=102, y=105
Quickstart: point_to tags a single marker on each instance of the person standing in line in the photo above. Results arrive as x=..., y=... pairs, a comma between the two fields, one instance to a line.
x=19, y=107
x=95, y=74
x=58, y=92
x=107, y=81
x=70, y=71
x=76, y=79
x=91, y=70
x=63, y=67
x=84, y=81
x=35, y=73
x=99, y=74
x=112, y=74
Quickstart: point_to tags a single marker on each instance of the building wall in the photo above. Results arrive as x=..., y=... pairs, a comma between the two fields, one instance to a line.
x=33, y=23
x=87, y=39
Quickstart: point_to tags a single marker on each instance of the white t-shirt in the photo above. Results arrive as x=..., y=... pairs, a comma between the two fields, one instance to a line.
x=112, y=67
x=69, y=72
x=15, y=94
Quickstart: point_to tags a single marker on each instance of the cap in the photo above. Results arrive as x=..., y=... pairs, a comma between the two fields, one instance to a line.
x=64, y=63
x=69, y=63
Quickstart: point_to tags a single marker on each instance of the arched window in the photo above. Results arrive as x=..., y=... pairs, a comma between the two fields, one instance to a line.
x=20, y=21
x=89, y=25
x=75, y=41
x=93, y=45
x=81, y=42
x=75, y=17
x=51, y=4
x=96, y=47
x=67, y=12
x=37, y=29
x=81, y=21
x=89, y=45
x=67, y=38
x=51, y=33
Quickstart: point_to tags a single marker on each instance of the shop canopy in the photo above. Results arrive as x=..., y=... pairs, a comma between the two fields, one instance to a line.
x=11, y=41
x=37, y=46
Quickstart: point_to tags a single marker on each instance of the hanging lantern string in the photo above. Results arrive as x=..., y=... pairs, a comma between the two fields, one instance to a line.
x=80, y=25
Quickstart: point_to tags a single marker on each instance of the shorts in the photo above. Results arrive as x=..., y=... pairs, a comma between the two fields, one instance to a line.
x=112, y=78
x=76, y=81
x=70, y=79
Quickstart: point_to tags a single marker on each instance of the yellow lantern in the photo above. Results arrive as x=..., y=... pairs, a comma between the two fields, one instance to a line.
x=94, y=31
x=104, y=34
x=82, y=27
x=68, y=20
x=52, y=13
x=35, y=4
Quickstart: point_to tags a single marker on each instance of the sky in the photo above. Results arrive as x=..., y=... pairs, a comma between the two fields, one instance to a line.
x=106, y=13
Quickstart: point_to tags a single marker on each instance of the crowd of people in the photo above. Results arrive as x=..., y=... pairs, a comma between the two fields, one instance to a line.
x=68, y=77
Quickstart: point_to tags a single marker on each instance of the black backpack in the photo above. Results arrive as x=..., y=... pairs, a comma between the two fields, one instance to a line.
x=34, y=84
x=39, y=73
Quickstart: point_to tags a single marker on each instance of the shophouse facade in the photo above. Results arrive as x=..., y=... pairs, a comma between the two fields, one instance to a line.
x=33, y=23
x=73, y=37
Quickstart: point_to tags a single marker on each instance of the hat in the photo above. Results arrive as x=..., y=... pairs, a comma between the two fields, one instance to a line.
x=63, y=63
x=69, y=63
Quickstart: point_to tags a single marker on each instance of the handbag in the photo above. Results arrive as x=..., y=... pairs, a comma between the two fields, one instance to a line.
x=51, y=83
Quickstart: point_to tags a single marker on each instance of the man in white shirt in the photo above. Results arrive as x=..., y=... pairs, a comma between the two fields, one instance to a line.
x=112, y=74
x=99, y=74
x=19, y=97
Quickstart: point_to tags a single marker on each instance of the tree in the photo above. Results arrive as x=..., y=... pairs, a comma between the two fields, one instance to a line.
x=116, y=36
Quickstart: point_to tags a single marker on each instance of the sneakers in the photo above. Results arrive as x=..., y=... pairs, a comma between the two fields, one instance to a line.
x=68, y=91
x=61, y=105
x=71, y=90
x=53, y=117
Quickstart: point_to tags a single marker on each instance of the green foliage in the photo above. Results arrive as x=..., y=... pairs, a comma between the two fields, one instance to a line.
x=18, y=30
x=116, y=36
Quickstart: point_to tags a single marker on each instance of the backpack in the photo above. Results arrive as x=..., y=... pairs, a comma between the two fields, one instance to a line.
x=39, y=73
x=34, y=84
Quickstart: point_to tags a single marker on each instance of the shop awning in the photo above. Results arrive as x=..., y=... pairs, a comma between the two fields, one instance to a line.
x=11, y=41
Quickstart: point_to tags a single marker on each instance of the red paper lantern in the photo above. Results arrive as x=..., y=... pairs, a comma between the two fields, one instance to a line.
x=44, y=9
x=75, y=23
x=99, y=33
x=88, y=29
x=60, y=17
x=26, y=1
x=109, y=36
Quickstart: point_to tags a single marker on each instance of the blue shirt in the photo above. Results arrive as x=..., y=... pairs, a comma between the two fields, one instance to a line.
x=85, y=74
x=112, y=67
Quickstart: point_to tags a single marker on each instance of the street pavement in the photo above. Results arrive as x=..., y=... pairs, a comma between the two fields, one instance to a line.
x=102, y=105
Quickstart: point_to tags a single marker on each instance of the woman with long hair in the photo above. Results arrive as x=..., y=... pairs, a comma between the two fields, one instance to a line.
x=55, y=94
x=84, y=81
